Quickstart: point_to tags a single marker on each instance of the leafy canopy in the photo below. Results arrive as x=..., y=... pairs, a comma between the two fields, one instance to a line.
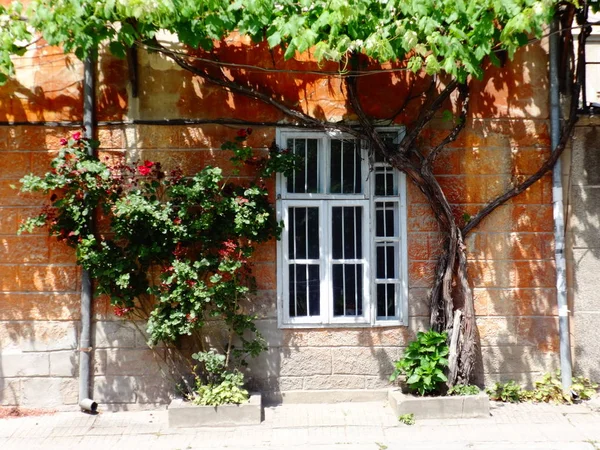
x=439, y=36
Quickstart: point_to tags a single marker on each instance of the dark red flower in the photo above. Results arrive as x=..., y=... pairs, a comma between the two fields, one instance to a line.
x=64, y=142
x=243, y=133
x=248, y=131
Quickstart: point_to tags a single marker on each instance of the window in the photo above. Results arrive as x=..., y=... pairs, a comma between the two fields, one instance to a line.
x=342, y=256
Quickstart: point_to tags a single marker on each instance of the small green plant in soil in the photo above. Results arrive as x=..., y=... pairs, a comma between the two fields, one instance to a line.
x=407, y=419
x=509, y=392
x=218, y=386
x=424, y=363
x=464, y=389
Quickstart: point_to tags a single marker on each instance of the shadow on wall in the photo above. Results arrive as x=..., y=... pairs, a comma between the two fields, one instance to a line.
x=584, y=237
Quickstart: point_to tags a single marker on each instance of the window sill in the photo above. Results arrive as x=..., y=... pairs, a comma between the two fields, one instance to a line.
x=304, y=326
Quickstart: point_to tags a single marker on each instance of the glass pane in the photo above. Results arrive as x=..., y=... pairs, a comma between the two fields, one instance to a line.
x=346, y=232
x=386, y=300
x=336, y=167
x=347, y=289
x=345, y=160
x=386, y=262
x=385, y=182
x=305, y=179
x=312, y=166
x=304, y=290
x=304, y=233
x=385, y=219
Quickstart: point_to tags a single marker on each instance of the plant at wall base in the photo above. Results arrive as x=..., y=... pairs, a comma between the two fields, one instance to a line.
x=172, y=250
x=464, y=389
x=583, y=388
x=509, y=392
x=424, y=363
x=217, y=385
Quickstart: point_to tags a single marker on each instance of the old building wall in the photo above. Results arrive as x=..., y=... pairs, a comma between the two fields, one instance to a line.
x=582, y=203
x=511, y=252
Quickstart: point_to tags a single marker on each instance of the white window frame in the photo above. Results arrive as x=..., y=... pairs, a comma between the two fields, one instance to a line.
x=325, y=202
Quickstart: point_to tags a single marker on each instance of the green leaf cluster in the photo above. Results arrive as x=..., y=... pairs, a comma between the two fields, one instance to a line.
x=463, y=389
x=218, y=386
x=424, y=363
x=438, y=36
x=547, y=389
x=168, y=249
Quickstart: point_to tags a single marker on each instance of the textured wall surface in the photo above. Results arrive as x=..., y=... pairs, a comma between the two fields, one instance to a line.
x=511, y=252
x=582, y=184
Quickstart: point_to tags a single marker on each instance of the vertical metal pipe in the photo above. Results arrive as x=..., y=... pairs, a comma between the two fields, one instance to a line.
x=558, y=214
x=85, y=344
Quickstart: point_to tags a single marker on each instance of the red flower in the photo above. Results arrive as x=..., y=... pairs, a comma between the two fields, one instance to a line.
x=77, y=136
x=190, y=319
x=229, y=247
x=241, y=200
x=120, y=311
x=145, y=171
x=148, y=164
x=64, y=142
x=191, y=283
x=177, y=220
x=242, y=133
x=249, y=131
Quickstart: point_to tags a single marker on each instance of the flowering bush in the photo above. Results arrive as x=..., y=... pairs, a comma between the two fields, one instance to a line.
x=175, y=249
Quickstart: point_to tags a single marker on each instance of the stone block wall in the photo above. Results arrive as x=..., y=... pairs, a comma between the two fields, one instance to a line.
x=510, y=253
x=581, y=183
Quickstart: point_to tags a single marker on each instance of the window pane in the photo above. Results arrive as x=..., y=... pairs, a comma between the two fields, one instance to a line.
x=346, y=232
x=386, y=261
x=385, y=214
x=346, y=163
x=304, y=290
x=385, y=182
x=386, y=300
x=306, y=178
x=304, y=233
x=347, y=289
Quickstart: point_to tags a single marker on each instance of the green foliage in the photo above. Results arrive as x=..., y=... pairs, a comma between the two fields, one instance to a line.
x=407, y=419
x=218, y=386
x=424, y=363
x=547, y=389
x=584, y=388
x=463, y=389
x=172, y=249
x=509, y=392
x=437, y=36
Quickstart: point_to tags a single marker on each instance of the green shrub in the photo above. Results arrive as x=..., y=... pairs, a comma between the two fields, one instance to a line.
x=584, y=388
x=424, y=363
x=509, y=392
x=464, y=389
x=217, y=386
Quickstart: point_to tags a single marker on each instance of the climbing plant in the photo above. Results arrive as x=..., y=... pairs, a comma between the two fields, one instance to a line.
x=171, y=250
x=449, y=40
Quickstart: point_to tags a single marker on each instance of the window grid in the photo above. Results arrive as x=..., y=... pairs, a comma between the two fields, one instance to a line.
x=383, y=298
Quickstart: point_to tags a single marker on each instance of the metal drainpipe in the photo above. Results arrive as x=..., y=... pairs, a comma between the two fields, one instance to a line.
x=559, y=219
x=85, y=344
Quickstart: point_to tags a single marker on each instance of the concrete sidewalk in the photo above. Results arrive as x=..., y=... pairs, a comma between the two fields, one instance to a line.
x=344, y=426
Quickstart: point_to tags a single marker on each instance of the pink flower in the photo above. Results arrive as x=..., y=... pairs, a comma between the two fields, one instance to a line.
x=64, y=142
x=143, y=170
x=77, y=136
x=148, y=164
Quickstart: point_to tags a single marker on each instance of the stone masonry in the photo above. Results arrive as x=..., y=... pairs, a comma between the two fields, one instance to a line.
x=511, y=253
